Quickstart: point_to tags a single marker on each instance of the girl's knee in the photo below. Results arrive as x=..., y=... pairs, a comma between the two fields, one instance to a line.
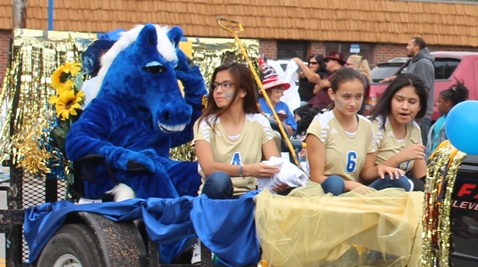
x=334, y=184
x=218, y=185
x=219, y=177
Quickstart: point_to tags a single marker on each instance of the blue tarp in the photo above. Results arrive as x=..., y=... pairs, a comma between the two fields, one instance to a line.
x=226, y=227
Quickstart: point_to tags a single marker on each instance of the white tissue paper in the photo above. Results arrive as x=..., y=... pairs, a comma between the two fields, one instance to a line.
x=289, y=174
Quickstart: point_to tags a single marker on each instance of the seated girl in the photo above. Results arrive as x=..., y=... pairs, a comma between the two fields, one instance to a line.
x=339, y=148
x=275, y=90
x=232, y=137
x=397, y=137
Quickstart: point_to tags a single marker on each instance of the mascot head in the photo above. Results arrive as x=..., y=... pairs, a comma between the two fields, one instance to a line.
x=138, y=73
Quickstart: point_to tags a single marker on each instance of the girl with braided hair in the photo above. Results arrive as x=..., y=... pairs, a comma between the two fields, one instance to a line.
x=447, y=99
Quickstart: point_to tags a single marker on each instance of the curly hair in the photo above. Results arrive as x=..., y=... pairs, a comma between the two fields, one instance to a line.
x=456, y=93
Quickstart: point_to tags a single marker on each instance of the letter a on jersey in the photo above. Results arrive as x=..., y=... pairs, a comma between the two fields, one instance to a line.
x=236, y=159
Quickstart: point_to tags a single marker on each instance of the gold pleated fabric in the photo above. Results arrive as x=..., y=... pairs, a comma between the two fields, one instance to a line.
x=359, y=228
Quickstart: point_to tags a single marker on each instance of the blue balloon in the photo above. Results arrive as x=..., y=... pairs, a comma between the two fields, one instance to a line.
x=461, y=126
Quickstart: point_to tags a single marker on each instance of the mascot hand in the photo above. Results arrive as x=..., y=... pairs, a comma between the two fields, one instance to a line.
x=129, y=160
x=191, y=78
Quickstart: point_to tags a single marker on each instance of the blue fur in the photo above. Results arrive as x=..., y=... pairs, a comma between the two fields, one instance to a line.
x=121, y=123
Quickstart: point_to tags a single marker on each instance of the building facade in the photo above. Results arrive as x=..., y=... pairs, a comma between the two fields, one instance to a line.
x=380, y=29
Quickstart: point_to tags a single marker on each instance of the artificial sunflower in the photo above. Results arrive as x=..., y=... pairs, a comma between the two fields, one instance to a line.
x=67, y=103
x=68, y=85
x=59, y=77
x=73, y=68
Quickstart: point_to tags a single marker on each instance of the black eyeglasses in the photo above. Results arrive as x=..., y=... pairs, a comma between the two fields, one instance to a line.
x=313, y=63
x=226, y=86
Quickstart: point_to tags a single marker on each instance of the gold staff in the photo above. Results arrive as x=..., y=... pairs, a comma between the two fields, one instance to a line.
x=258, y=81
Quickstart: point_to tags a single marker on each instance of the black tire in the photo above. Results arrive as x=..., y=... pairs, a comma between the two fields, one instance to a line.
x=72, y=244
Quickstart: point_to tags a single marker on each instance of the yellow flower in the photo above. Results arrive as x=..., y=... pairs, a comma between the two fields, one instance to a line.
x=53, y=99
x=73, y=68
x=63, y=76
x=67, y=103
x=68, y=85
x=56, y=78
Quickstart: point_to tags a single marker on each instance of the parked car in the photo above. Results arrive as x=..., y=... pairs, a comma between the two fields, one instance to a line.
x=384, y=70
x=399, y=59
x=449, y=67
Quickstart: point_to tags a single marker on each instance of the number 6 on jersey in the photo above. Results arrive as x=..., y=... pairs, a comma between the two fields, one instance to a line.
x=351, y=161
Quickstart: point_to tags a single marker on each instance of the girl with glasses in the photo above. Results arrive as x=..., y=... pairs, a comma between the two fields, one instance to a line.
x=232, y=137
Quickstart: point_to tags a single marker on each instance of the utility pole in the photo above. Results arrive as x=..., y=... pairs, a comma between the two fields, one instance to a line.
x=19, y=13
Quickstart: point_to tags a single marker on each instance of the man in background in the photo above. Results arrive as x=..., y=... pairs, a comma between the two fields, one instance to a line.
x=421, y=65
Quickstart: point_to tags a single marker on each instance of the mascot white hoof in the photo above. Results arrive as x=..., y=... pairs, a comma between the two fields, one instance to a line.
x=122, y=192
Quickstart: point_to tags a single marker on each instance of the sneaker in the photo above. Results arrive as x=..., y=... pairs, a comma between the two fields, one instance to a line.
x=215, y=259
x=196, y=258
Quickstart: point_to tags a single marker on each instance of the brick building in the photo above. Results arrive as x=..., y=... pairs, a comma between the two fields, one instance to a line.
x=285, y=28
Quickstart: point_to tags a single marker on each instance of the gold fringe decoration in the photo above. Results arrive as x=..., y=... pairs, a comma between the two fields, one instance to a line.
x=26, y=91
x=441, y=175
x=34, y=55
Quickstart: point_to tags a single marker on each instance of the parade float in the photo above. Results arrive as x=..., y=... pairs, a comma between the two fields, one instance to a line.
x=304, y=228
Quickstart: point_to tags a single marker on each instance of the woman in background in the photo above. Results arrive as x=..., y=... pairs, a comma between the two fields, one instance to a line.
x=361, y=65
x=309, y=76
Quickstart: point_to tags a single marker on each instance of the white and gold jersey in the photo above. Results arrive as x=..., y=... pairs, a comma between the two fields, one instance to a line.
x=345, y=152
x=387, y=145
x=245, y=148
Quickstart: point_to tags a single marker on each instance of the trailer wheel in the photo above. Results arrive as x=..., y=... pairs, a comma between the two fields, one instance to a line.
x=73, y=245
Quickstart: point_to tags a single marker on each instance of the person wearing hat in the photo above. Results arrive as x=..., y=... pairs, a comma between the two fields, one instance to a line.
x=333, y=62
x=275, y=90
x=91, y=60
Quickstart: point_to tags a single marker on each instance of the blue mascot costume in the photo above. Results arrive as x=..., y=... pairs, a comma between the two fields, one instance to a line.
x=139, y=113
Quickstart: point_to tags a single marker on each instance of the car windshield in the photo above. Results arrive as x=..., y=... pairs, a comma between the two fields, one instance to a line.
x=383, y=71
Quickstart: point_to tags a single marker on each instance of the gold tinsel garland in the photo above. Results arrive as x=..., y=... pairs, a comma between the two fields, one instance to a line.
x=28, y=116
x=27, y=81
x=441, y=175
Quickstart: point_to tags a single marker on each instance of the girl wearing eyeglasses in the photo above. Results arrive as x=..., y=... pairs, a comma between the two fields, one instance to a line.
x=447, y=99
x=232, y=137
x=309, y=76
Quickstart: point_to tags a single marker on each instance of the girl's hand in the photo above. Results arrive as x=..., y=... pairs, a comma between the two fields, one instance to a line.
x=391, y=171
x=351, y=185
x=260, y=170
x=280, y=188
x=413, y=152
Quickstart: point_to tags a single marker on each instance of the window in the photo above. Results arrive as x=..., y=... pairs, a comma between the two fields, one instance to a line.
x=444, y=67
x=290, y=49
